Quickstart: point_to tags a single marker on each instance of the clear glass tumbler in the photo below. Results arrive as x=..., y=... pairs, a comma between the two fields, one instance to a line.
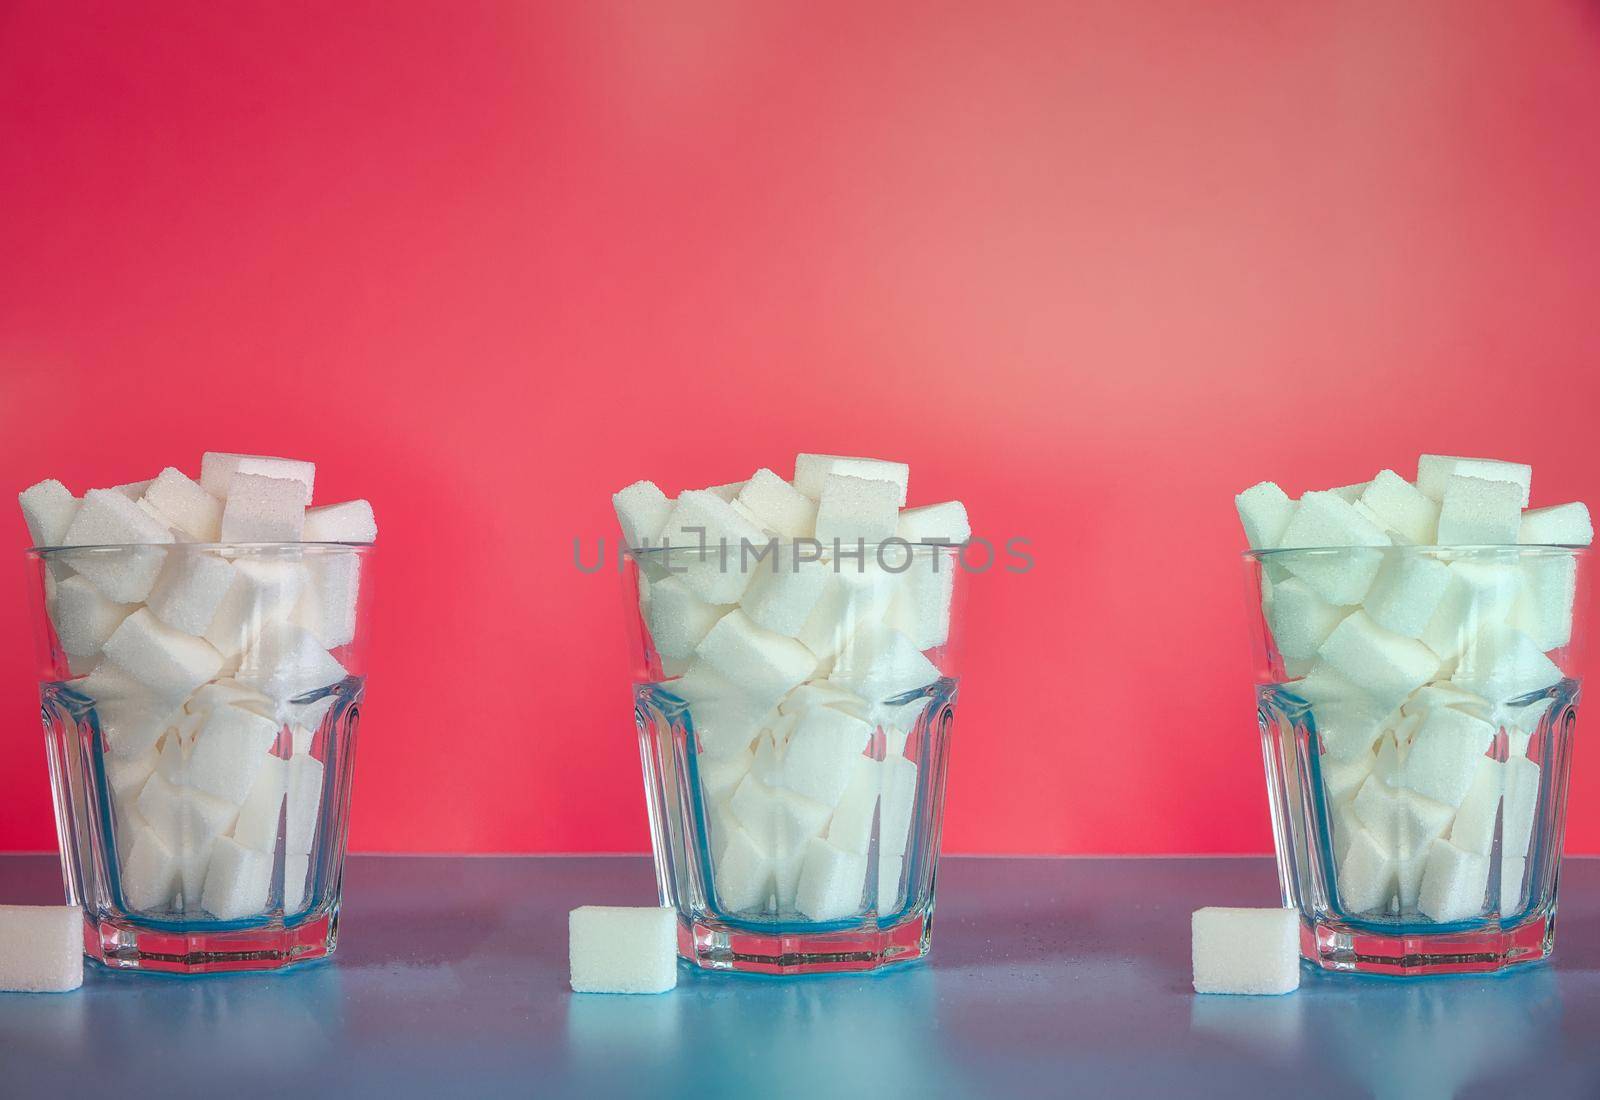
x=200, y=705
x=794, y=720
x=1416, y=706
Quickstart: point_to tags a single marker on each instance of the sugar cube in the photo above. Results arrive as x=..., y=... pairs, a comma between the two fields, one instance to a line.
x=897, y=804
x=229, y=751
x=1407, y=593
x=920, y=606
x=296, y=882
x=710, y=541
x=1521, y=807
x=850, y=828
x=1402, y=508
x=890, y=870
x=149, y=870
x=264, y=590
x=678, y=619
x=1476, y=512
x=1453, y=883
x=1558, y=525
x=879, y=663
x=170, y=664
x=1368, y=876
x=257, y=824
x=1502, y=664
x=1434, y=473
x=347, y=521
x=238, y=880
x=935, y=523
x=782, y=596
x=853, y=510
x=1328, y=520
x=107, y=518
x=1265, y=511
x=1300, y=619
x=811, y=474
x=1388, y=667
x=328, y=606
x=1476, y=821
x=764, y=664
x=130, y=717
x=1251, y=951
x=723, y=717
x=1513, y=893
x=778, y=820
x=1347, y=719
x=286, y=662
x=84, y=618
x=1445, y=755
x=302, y=804
x=817, y=762
x=1480, y=595
x=218, y=469
x=778, y=506
x=642, y=510
x=743, y=877
x=729, y=492
x=184, y=505
x=191, y=588
x=263, y=509
x=1343, y=778
x=857, y=596
x=831, y=880
x=612, y=949
x=1543, y=607
x=48, y=509
x=41, y=948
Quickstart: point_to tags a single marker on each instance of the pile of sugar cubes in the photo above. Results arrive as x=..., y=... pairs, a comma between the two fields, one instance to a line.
x=1412, y=664
x=193, y=659
x=792, y=667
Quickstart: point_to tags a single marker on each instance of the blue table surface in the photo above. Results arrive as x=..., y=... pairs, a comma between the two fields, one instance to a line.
x=1048, y=977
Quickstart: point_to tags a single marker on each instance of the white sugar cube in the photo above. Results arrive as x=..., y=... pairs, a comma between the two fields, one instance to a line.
x=257, y=825
x=1453, y=883
x=1502, y=664
x=332, y=596
x=263, y=509
x=820, y=693
x=897, y=804
x=131, y=718
x=238, y=881
x=296, y=882
x=1300, y=619
x=1445, y=694
x=612, y=949
x=184, y=505
x=1387, y=666
x=785, y=592
x=47, y=508
x=170, y=664
x=149, y=870
x=347, y=521
x=743, y=875
x=286, y=662
x=711, y=546
x=217, y=471
x=935, y=523
x=1252, y=951
x=1341, y=779
x=264, y=591
x=778, y=506
x=890, y=869
x=302, y=804
x=729, y=492
x=678, y=619
x=190, y=590
x=126, y=776
x=1407, y=593
x=1543, y=607
x=1265, y=511
x=811, y=474
x=133, y=490
x=879, y=663
x=778, y=821
x=920, y=607
x=724, y=717
x=41, y=948
x=1476, y=512
x=1368, y=875
x=1352, y=493
x=1347, y=719
x=107, y=518
x=229, y=751
x=1434, y=473
x=84, y=618
x=642, y=510
x=818, y=761
x=850, y=828
x=1402, y=508
x=719, y=778
x=831, y=881
x=1513, y=892
x=1558, y=525
x=1408, y=879
x=766, y=665
x=857, y=596
x=1328, y=520
x=1445, y=754
x=853, y=510
x=1480, y=595
x=1476, y=821
x=1521, y=807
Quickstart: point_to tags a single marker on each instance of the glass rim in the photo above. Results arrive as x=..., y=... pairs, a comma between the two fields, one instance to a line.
x=1560, y=547
x=48, y=551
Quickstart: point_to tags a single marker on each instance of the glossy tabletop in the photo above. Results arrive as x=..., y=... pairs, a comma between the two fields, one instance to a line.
x=1048, y=977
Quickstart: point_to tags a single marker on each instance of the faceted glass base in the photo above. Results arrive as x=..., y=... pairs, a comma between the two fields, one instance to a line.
x=272, y=947
x=1475, y=951
x=716, y=947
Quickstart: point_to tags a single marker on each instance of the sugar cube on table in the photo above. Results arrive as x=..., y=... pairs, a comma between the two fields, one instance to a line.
x=1558, y=525
x=853, y=510
x=238, y=881
x=48, y=508
x=217, y=471
x=935, y=523
x=1245, y=950
x=1476, y=512
x=831, y=881
x=107, y=518
x=171, y=664
x=1328, y=520
x=811, y=474
x=1453, y=883
x=83, y=617
x=1434, y=473
x=185, y=505
x=190, y=590
x=347, y=521
x=263, y=509
x=41, y=948
x=642, y=510
x=1265, y=510
x=1402, y=508
x=778, y=506
x=1386, y=665
x=618, y=949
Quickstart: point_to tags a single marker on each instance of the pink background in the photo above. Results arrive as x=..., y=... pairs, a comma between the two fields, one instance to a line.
x=1091, y=268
